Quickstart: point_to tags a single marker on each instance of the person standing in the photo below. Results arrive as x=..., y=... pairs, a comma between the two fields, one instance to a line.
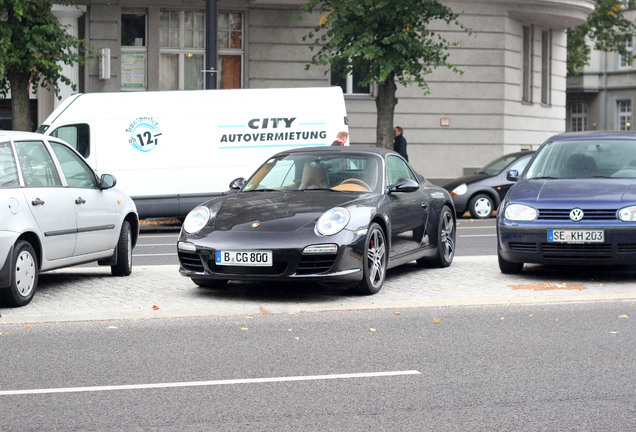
x=341, y=139
x=399, y=143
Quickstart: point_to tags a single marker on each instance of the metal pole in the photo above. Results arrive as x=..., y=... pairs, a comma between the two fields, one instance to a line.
x=210, y=44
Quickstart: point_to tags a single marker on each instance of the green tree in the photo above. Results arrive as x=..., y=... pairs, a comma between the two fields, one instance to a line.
x=604, y=30
x=32, y=43
x=391, y=39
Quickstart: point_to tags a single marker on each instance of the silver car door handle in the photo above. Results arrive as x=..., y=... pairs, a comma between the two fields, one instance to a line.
x=425, y=204
x=37, y=202
x=80, y=200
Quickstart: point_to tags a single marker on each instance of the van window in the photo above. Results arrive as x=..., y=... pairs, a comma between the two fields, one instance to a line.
x=77, y=135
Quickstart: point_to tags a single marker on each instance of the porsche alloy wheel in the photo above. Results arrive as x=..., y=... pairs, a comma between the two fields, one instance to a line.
x=374, y=261
x=446, y=237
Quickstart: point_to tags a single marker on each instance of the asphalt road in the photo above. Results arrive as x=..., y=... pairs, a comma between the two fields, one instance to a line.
x=158, y=241
x=531, y=367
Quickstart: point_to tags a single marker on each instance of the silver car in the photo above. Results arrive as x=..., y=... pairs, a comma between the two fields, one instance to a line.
x=55, y=211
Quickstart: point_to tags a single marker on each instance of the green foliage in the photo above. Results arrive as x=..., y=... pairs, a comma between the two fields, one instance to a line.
x=605, y=28
x=387, y=38
x=32, y=43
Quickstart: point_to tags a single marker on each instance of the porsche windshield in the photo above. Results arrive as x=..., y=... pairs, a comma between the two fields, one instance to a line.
x=337, y=172
x=585, y=159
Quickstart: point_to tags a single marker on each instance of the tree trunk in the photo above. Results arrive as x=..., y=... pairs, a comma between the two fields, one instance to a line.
x=385, y=103
x=20, y=107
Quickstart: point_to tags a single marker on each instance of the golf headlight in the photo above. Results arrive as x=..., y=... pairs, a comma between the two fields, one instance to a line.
x=460, y=190
x=520, y=212
x=627, y=214
x=333, y=221
x=196, y=220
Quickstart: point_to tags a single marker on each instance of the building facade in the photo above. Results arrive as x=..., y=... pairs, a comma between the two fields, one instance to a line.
x=602, y=95
x=510, y=96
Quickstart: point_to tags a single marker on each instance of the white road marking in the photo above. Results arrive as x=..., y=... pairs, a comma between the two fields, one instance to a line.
x=478, y=235
x=207, y=383
x=156, y=244
x=148, y=255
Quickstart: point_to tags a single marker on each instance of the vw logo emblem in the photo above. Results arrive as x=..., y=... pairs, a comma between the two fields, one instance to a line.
x=576, y=214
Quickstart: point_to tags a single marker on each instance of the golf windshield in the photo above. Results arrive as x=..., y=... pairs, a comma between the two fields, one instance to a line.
x=585, y=159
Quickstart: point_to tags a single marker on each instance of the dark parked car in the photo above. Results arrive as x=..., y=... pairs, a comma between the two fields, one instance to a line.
x=330, y=214
x=575, y=204
x=481, y=193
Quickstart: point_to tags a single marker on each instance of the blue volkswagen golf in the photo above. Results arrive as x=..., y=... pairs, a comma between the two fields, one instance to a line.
x=574, y=204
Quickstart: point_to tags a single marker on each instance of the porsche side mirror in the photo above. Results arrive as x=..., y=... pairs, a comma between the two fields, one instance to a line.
x=404, y=185
x=237, y=183
x=512, y=175
x=107, y=181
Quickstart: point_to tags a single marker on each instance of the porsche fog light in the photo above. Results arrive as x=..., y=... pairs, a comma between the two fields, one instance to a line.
x=196, y=219
x=321, y=249
x=186, y=246
x=460, y=190
x=627, y=214
x=333, y=221
x=520, y=212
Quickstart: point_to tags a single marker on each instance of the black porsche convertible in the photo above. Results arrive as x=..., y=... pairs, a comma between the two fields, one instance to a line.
x=328, y=214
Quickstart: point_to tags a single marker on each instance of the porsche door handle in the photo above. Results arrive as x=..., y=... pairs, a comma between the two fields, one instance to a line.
x=425, y=205
x=80, y=200
x=37, y=202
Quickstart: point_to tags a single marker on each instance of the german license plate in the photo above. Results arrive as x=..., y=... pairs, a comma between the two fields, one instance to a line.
x=244, y=258
x=576, y=236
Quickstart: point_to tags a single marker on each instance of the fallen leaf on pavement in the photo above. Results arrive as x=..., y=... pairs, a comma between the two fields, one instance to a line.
x=372, y=329
x=436, y=320
x=623, y=316
x=155, y=307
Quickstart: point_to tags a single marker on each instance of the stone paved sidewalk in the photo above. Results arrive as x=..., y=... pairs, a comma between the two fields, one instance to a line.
x=91, y=293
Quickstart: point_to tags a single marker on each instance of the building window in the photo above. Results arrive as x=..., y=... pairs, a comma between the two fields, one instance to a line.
x=578, y=117
x=133, y=50
x=528, y=36
x=624, y=114
x=626, y=61
x=230, y=50
x=350, y=83
x=182, y=50
x=546, y=67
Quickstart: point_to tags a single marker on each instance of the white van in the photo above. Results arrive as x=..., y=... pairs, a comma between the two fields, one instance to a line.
x=172, y=150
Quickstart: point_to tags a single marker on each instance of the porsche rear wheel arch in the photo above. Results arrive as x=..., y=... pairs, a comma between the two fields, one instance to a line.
x=446, y=241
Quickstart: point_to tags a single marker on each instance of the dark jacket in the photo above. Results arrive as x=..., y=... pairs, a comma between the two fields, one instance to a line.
x=399, y=145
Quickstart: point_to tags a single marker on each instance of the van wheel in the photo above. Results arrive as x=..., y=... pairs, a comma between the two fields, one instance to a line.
x=24, y=275
x=123, y=267
x=209, y=283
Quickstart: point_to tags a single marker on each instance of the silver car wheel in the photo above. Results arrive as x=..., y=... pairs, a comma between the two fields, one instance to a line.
x=25, y=273
x=483, y=207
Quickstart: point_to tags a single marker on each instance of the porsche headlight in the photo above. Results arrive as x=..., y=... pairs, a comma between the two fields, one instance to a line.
x=520, y=212
x=460, y=190
x=196, y=219
x=333, y=221
x=627, y=214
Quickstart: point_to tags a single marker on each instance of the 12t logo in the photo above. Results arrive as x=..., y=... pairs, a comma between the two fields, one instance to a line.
x=144, y=134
